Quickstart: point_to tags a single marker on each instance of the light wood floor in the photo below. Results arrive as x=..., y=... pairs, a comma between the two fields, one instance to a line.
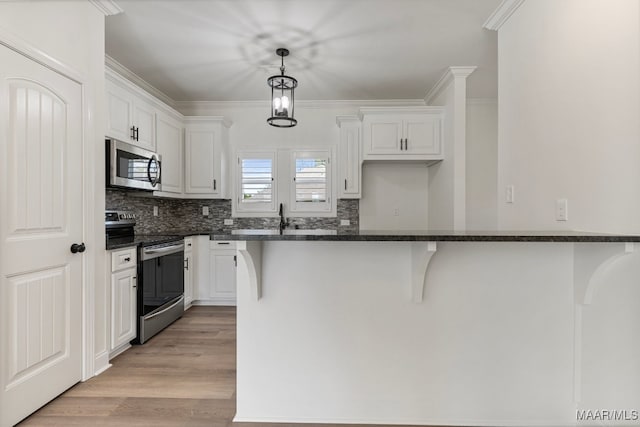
x=184, y=376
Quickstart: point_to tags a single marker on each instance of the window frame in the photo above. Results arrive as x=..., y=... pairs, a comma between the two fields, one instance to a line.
x=256, y=209
x=326, y=208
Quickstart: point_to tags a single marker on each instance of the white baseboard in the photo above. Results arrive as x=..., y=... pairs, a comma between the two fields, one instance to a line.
x=398, y=421
x=119, y=350
x=218, y=301
x=101, y=363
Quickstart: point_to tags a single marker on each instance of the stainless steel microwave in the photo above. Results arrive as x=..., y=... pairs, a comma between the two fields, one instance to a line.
x=129, y=166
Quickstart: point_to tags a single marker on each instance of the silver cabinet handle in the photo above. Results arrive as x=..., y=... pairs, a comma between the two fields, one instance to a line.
x=135, y=281
x=345, y=184
x=214, y=184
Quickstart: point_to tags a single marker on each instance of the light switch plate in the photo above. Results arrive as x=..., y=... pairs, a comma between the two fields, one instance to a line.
x=509, y=196
x=205, y=210
x=228, y=222
x=562, y=210
x=345, y=222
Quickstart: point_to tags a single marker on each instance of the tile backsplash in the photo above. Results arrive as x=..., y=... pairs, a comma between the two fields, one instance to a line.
x=186, y=215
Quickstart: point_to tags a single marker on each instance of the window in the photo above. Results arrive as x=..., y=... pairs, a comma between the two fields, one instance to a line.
x=311, y=188
x=256, y=189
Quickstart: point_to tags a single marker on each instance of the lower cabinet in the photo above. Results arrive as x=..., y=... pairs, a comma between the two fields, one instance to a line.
x=123, y=299
x=222, y=276
x=189, y=268
x=215, y=272
x=123, y=307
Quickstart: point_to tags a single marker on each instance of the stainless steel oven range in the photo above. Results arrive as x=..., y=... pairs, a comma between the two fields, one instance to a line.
x=160, y=298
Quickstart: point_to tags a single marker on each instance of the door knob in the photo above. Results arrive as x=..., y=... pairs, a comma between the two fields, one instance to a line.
x=75, y=248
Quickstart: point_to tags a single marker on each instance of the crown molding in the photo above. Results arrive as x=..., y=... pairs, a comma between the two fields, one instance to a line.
x=502, y=13
x=129, y=75
x=208, y=119
x=347, y=119
x=188, y=107
x=449, y=76
x=108, y=7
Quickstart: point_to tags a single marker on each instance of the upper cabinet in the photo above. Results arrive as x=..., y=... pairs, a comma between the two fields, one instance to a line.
x=206, y=151
x=349, y=156
x=402, y=133
x=130, y=118
x=169, y=131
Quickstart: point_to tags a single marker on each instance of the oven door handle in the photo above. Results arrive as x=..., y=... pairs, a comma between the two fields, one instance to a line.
x=155, y=253
x=165, y=310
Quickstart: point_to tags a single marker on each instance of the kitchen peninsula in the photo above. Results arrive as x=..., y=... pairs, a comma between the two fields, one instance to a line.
x=435, y=328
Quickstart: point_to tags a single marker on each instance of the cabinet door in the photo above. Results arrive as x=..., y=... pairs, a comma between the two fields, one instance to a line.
x=123, y=307
x=119, y=112
x=383, y=135
x=144, y=119
x=422, y=134
x=350, y=163
x=222, y=276
x=188, y=279
x=202, y=149
x=169, y=139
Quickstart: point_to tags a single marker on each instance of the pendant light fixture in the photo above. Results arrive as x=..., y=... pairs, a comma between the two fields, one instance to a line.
x=282, y=96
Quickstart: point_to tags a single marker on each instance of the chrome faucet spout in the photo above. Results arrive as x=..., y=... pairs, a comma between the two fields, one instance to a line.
x=284, y=223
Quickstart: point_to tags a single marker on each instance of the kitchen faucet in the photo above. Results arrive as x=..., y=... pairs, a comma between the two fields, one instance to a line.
x=284, y=223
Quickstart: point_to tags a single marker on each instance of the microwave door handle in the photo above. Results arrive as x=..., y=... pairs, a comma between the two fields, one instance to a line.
x=151, y=180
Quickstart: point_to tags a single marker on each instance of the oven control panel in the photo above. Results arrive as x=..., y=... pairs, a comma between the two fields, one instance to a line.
x=119, y=218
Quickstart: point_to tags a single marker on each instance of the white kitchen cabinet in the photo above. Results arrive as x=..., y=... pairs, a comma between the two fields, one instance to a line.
x=170, y=147
x=123, y=299
x=402, y=133
x=222, y=273
x=189, y=267
x=130, y=118
x=206, y=152
x=350, y=158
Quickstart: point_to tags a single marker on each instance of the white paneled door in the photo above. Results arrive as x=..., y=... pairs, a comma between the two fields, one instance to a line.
x=40, y=218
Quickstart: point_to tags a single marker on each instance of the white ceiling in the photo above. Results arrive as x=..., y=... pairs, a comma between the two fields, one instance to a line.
x=224, y=50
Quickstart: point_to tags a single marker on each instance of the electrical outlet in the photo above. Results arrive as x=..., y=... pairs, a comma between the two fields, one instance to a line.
x=562, y=210
x=228, y=222
x=155, y=211
x=509, y=196
x=345, y=222
x=205, y=211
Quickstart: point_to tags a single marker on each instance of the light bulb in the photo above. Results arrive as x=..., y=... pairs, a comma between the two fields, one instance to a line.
x=276, y=104
x=285, y=102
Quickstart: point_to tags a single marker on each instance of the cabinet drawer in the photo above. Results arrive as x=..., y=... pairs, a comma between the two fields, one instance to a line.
x=222, y=244
x=188, y=244
x=123, y=258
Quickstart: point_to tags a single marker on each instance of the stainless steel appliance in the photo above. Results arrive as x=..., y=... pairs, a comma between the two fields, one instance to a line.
x=129, y=166
x=160, y=298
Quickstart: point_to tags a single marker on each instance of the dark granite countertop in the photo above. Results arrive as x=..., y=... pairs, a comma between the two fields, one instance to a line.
x=425, y=235
x=152, y=239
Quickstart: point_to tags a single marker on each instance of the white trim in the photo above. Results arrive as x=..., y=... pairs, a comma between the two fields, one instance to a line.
x=502, y=14
x=125, y=73
x=408, y=421
x=25, y=48
x=220, y=301
x=192, y=107
x=482, y=101
x=446, y=79
x=207, y=119
x=340, y=120
x=119, y=350
x=107, y=7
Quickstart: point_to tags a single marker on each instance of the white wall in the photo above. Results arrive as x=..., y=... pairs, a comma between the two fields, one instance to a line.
x=482, y=164
x=569, y=103
x=72, y=32
x=394, y=196
x=491, y=344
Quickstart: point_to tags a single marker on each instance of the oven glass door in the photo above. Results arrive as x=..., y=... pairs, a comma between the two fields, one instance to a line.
x=162, y=281
x=134, y=167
